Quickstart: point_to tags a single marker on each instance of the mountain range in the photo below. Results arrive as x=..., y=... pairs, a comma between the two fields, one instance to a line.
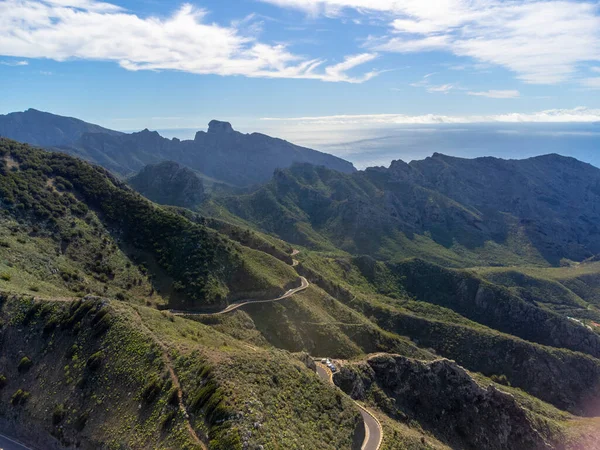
x=221, y=154
x=458, y=212
x=457, y=299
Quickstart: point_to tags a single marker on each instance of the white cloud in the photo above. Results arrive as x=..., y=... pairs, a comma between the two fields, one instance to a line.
x=576, y=115
x=14, y=63
x=338, y=71
x=92, y=30
x=444, y=88
x=432, y=88
x=542, y=41
x=592, y=83
x=496, y=93
x=596, y=69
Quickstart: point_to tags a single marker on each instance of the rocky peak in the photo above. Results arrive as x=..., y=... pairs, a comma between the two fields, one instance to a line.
x=216, y=126
x=401, y=171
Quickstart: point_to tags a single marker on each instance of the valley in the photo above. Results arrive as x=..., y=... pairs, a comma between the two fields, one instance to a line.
x=300, y=225
x=198, y=320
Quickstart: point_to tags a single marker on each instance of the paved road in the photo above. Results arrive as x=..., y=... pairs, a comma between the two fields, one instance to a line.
x=7, y=443
x=303, y=285
x=373, y=432
x=373, y=435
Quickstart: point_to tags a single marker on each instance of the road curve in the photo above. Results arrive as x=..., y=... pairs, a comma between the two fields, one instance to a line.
x=373, y=431
x=303, y=285
x=7, y=443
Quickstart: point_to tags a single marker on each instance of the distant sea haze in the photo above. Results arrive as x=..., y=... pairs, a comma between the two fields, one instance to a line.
x=379, y=146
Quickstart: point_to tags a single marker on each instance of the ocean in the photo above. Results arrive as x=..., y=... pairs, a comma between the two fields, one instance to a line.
x=379, y=146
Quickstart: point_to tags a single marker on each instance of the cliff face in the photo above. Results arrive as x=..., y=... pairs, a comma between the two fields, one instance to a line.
x=444, y=399
x=555, y=198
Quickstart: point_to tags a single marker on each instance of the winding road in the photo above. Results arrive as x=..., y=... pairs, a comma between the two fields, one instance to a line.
x=303, y=285
x=7, y=443
x=373, y=431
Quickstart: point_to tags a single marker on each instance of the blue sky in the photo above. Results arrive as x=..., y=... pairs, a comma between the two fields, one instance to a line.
x=302, y=64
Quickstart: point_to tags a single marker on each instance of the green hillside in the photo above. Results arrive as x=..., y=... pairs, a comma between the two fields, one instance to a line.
x=90, y=230
x=111, y=332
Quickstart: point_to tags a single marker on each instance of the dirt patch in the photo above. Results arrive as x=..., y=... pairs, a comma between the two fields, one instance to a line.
x=11, y=163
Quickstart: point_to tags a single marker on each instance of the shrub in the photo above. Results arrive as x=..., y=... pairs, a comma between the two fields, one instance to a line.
x=95, y=361
x=19, y=397
x=151, y=390
x=167, y=419
x=5, y=276
x=25, y=364
x=81, y=421
x=173, y=396
x=58, y=414
x=500, y=379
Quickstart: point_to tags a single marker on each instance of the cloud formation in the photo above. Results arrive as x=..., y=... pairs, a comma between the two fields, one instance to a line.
x=14, y=63
x=542, y=41
x=92, y=30
x=496, y=93
x=591, y=83
x=576, y=115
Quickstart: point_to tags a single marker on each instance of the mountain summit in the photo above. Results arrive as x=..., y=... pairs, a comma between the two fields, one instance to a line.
x=216, y=126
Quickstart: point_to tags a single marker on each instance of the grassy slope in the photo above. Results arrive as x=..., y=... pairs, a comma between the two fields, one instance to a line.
x=471, y=344
x=69, y=229
x=314, y=322
x=571, y=290
x=50, y=195
x=111, y=360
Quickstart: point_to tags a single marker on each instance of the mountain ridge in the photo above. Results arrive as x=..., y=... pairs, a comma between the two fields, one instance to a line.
x=221, y=153
x=540, y=210
x=45, y=129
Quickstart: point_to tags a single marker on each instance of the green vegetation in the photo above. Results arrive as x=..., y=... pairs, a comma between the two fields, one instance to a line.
x=89, y=269
x=81, y=216
x=19, y=397
x=218, y=376
x=371, y=213
x=25, y=364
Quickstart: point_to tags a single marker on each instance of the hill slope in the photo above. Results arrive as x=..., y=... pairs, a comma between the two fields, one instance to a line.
x=81, y=224
x=46, y=130
x=168, y=183
x=86, y=265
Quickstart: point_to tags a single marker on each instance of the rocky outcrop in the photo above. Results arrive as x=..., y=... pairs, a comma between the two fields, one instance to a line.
x=216, y=126
x=443, y=398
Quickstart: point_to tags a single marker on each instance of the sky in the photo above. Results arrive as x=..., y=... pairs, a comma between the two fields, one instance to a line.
x=298, y=67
